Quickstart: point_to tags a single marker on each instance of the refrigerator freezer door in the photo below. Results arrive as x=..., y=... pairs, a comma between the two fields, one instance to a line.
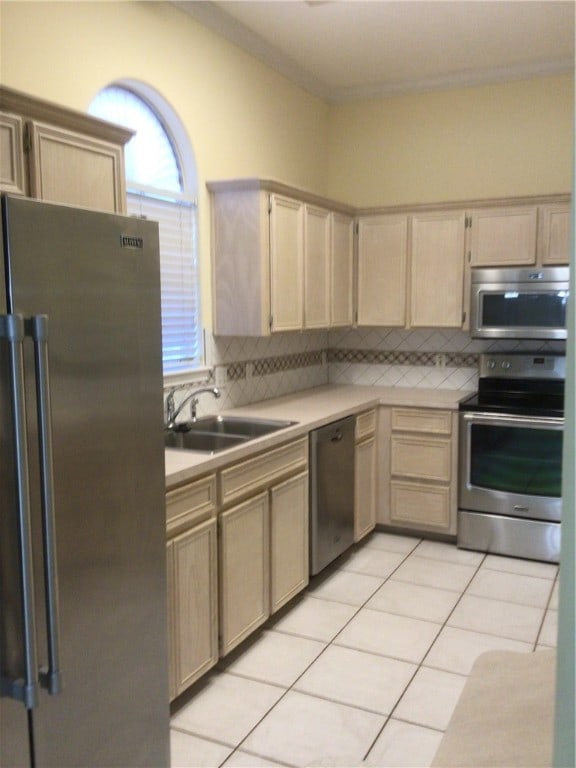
x=96, y=277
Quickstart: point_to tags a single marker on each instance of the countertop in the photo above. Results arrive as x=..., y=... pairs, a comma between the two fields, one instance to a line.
x=310, y=408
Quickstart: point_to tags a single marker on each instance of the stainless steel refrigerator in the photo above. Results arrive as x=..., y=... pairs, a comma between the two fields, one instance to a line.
x=83, y=648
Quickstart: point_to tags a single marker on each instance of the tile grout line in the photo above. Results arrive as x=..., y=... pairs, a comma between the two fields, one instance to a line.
x=421, y=663
x=328, y=644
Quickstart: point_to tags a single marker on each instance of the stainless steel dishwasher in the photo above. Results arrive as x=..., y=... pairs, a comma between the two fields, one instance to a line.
x=331, y=492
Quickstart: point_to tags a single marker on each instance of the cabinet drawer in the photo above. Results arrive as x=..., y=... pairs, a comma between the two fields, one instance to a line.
x=427, y=458
x=249, y=476
x=426, y=506
x=365, y=425
x=421, y=420
x=190, y=504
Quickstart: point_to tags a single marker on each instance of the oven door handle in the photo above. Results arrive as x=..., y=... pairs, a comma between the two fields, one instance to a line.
x=532, y=422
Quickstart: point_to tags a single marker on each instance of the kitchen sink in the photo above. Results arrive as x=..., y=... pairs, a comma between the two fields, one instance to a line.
x=205, y=442
x=211, y=434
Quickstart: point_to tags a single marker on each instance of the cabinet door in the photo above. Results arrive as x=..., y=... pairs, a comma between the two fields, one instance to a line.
x=554, y=243
x=382, y=257
x=437, y=270
x=195, y=604
x=244, y=570
x=316, y=268
x=286, y=263
x=365, y=488
x=289, y=557
x=342, y=271
x=503, y=236
x=67, y=167
x=12, y=166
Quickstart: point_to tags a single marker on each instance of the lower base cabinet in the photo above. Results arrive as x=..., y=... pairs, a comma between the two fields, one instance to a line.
x=263, y=557
x=192, y=605
x=417, y=469
x=289, y=566
x=365, y=474
x=365, y=488
x=244, y=570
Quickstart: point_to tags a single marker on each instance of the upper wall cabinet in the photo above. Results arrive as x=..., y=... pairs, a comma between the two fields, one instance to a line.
x=520, y=235
x=55, y=154
x=503, y=237
x=410, y=269
x=341, y=270
x=382, y=270
x=437, y=270
x=554, y=233
x=281, y=261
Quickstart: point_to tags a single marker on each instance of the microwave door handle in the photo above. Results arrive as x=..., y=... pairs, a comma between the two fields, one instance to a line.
x=50, y=678
x=26, y=691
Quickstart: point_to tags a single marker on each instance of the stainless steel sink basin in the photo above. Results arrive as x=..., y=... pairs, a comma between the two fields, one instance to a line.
x=235, y=425
x=217, y=433
x=206, y=442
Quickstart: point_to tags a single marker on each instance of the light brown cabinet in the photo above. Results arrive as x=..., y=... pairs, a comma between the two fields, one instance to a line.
x=520, y=235
x=263, y=546
x=382, y=270
x=192, y=582
x=365, y=475
x=419, y=469
x=58, y=155
x=317, y=244
x=341, y=270
x=280, y=261
x=554, y=234
x=503, y=236
x=288, y=540
x=437, y=270
x=244, y=563
x=411, y=270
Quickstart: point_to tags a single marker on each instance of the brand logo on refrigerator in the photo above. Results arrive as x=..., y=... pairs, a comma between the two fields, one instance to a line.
x=127, y=241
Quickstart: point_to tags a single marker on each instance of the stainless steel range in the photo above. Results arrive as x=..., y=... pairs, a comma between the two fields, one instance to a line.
x=510, y=472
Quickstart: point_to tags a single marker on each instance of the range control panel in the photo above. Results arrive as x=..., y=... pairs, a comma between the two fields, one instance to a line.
x=522, y=365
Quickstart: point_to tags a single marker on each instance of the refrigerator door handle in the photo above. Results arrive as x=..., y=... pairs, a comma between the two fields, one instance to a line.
x=26, y=691
x=50, y=677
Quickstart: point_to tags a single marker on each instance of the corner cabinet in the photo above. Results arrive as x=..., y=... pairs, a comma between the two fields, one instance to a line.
x=281, y=260
x=55, y=154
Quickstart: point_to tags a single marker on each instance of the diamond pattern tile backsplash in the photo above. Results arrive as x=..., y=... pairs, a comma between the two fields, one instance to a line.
x=248, y=370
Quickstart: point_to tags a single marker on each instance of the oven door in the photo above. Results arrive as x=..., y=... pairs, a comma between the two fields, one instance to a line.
x=511, y=465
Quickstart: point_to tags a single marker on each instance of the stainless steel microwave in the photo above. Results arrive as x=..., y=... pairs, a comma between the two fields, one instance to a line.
x=519, y=303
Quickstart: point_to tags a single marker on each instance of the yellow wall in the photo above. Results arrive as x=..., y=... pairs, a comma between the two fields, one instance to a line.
x=242, y=118
x=487, y=141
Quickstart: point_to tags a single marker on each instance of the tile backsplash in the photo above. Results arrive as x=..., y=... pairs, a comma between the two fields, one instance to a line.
x=248, y=370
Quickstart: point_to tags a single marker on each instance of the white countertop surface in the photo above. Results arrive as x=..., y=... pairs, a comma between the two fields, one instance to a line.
x=311, y=408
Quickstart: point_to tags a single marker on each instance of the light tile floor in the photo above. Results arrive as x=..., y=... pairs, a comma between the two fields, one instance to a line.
x=367, y=666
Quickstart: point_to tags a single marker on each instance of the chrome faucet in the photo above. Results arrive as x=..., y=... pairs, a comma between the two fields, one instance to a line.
x=172, y=412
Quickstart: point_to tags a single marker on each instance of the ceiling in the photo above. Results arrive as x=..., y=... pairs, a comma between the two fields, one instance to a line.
x=345, y=50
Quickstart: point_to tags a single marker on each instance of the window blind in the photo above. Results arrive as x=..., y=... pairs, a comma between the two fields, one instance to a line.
x=181, y=318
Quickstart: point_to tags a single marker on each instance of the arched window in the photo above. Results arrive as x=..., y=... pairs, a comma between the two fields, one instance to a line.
x=161, y=185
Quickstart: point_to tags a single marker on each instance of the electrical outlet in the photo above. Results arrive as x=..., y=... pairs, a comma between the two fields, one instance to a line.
x=440, y=360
